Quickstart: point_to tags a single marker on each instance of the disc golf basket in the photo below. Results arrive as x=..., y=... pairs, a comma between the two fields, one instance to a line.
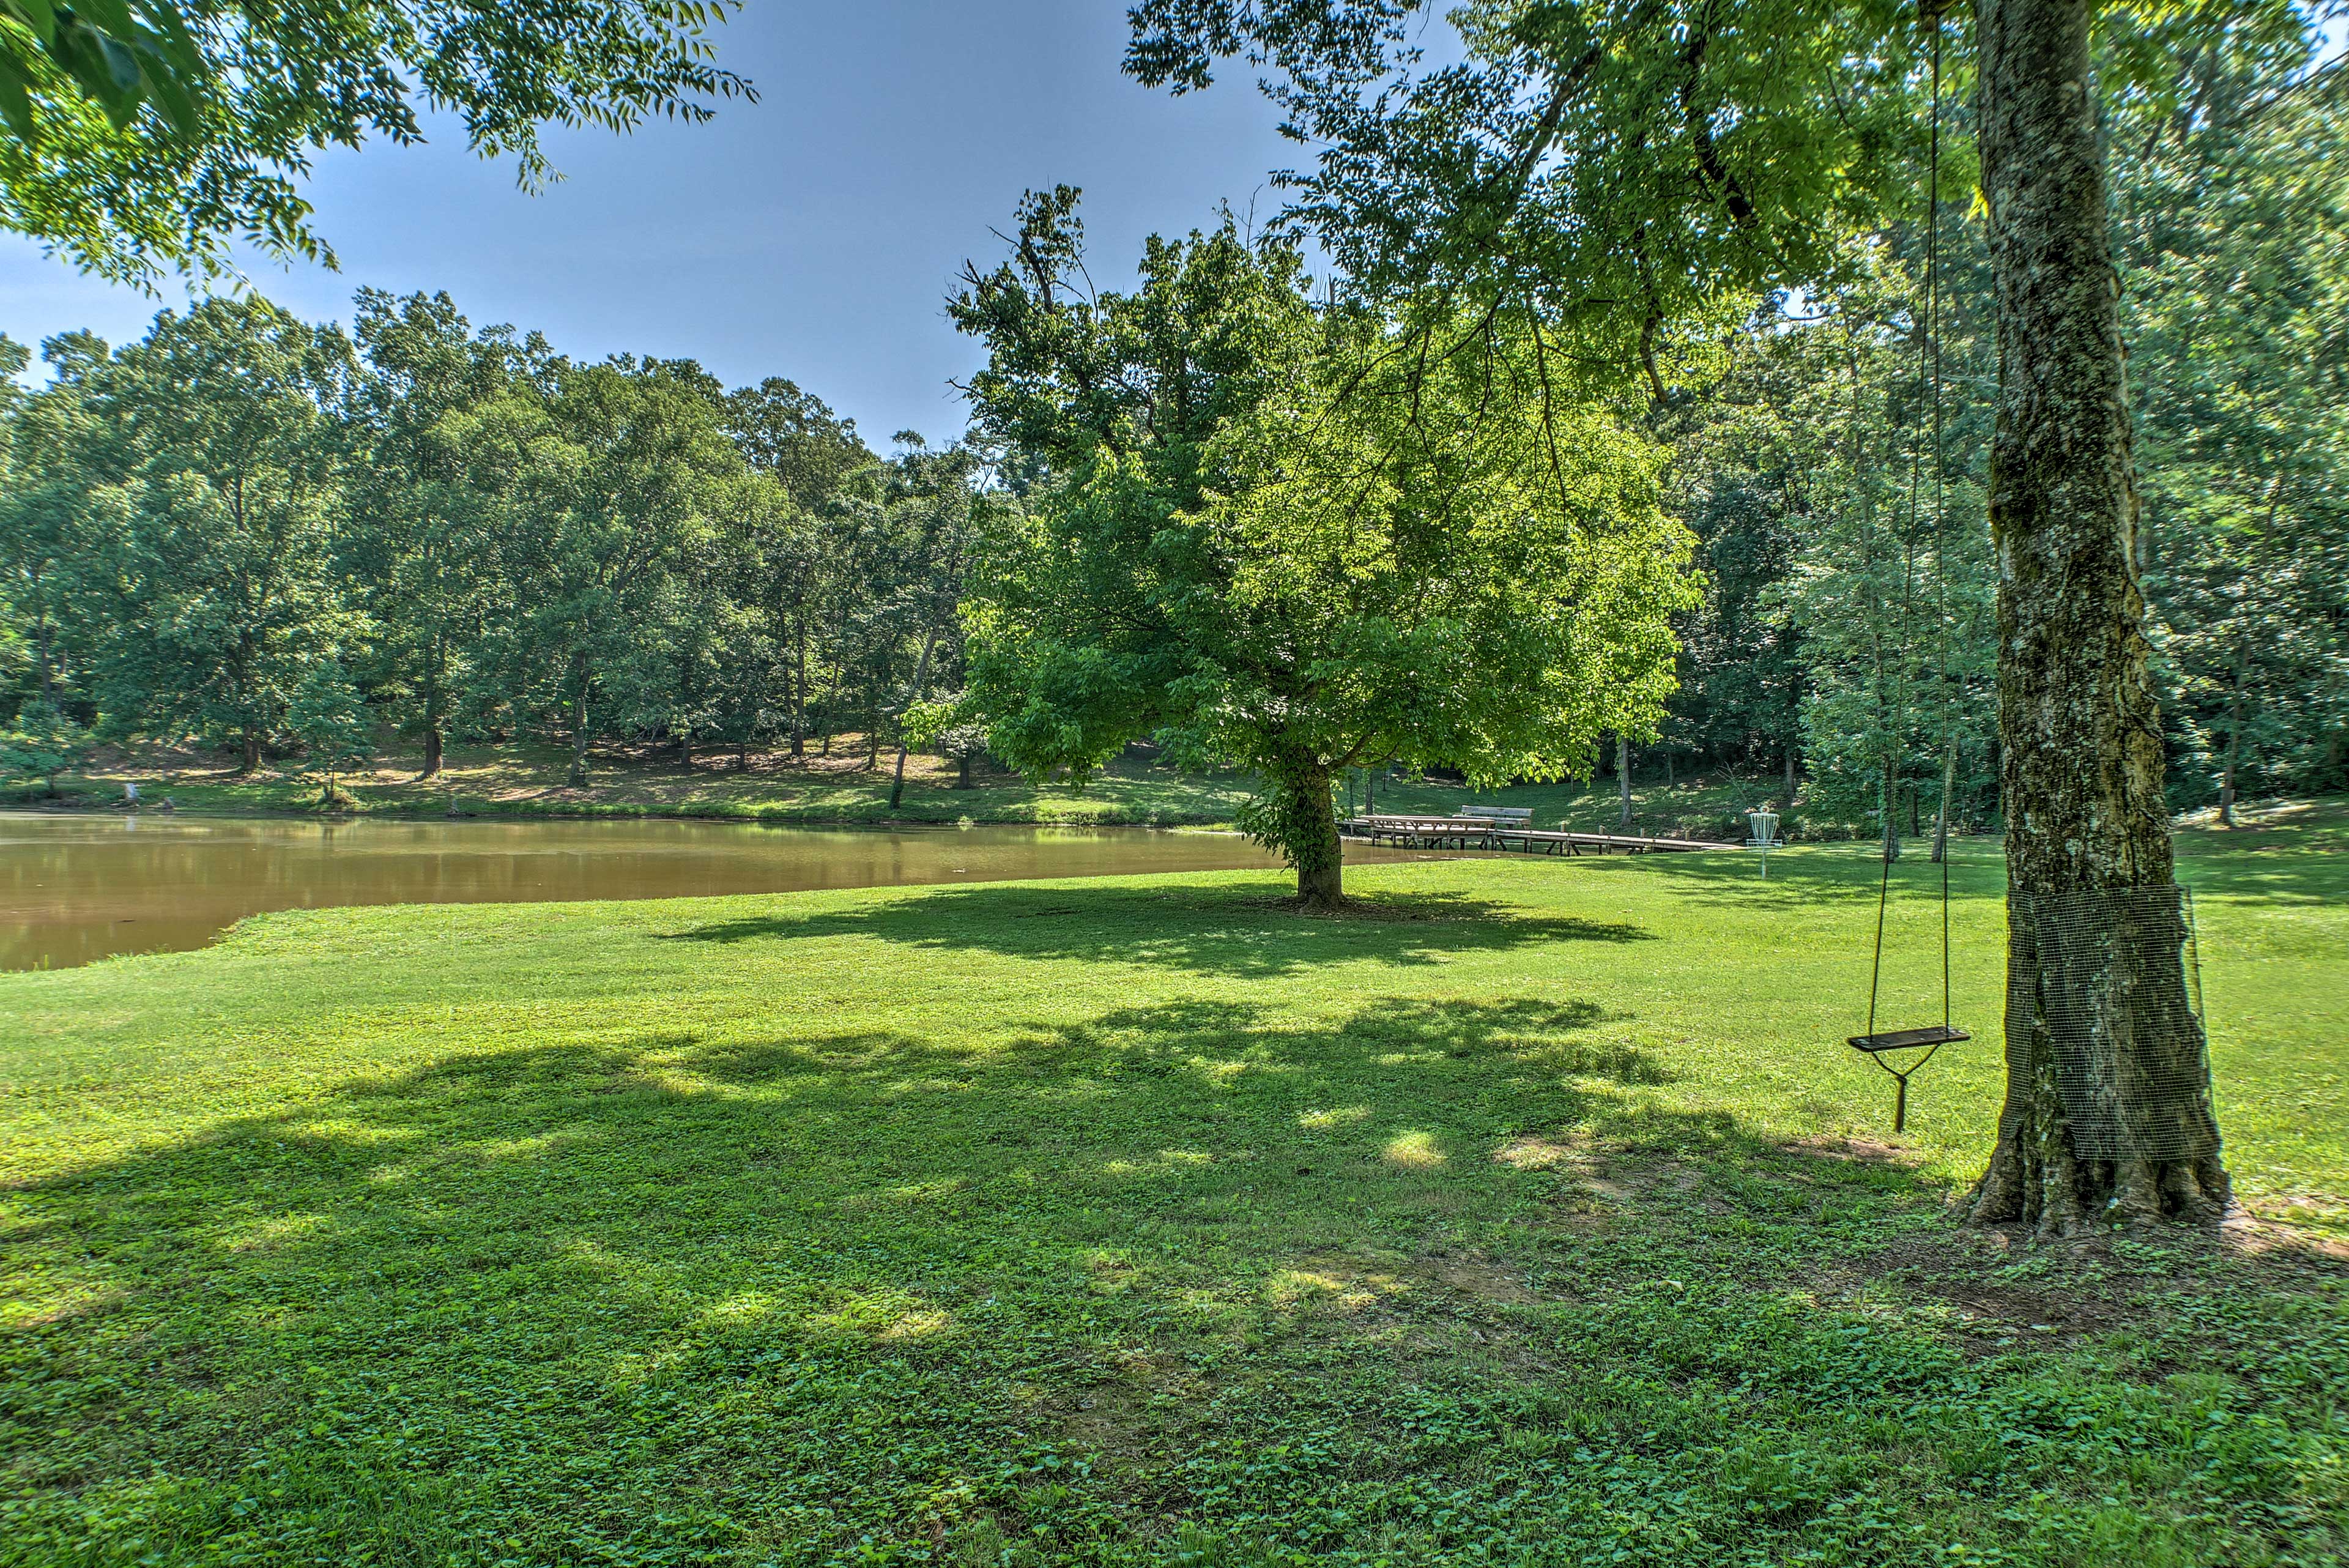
x=1763, y=826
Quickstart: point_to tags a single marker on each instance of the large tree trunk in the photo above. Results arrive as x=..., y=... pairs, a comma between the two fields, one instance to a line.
x=1303, y=826
x=2108, y=1108
x=248, y=759
x=1322, y=860
x=1624, y=778
x=435, y=743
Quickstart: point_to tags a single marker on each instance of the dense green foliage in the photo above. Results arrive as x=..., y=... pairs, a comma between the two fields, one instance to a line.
x=1136, y=1221
x=142, y=135
x=1720, y=211
x=476, y=535
x=402, y=509
x=1269, y=537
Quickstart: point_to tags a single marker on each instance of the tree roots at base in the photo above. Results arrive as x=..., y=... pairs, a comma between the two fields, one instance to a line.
x=2062, y=1197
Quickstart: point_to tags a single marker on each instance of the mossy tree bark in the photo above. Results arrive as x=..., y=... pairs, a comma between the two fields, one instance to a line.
x=1320, y=857
x=1297, y=815
x=2078, y=724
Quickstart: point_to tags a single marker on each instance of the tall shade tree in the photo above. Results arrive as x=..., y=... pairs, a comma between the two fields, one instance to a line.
x=137, y=136
x=945, y=521
x=210, y=454
x=2234, y=227
x=1610, y=166
x=813, y=454
x=1245, y=553
x=423, y=550
x=42, y=493
x=611, y=489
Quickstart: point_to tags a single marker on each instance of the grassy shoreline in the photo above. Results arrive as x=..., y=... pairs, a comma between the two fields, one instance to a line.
x=840, y=790
x=1532, y=1215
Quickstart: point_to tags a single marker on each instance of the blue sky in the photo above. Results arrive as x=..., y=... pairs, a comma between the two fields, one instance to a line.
x=813, y=235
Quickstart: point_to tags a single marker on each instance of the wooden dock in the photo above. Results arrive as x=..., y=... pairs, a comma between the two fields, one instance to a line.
x=1508, y=837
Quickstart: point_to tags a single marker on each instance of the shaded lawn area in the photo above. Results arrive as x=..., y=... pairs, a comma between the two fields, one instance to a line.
x=1536, y=1216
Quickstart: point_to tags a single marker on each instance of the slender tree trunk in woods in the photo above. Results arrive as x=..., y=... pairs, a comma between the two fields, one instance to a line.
x=685, y=750
x=1623, y=779
x=578, y=775
x=434, y=740
x=1941, y=822
x=41, y=634
x=921, y=690
x=799, y=697
x=1887, y=810
x=1790, y=773
x=248, y=759
x=1668, y=767
x=962, y=771
x=2234, y=738
x=2107, y=1110
x=742, y=756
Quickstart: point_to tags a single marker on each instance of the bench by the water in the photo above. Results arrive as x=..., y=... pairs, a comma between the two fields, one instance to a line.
x=1501, y=828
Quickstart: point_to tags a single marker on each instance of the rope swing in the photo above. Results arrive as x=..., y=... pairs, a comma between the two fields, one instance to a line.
x=1932, y=1037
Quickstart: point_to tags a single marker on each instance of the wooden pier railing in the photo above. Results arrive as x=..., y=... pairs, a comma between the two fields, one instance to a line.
x=1505, y=833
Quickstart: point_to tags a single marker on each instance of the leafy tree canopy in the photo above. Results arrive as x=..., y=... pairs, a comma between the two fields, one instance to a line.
x=142, y=135
x=1626, y=170
x=1275, y=542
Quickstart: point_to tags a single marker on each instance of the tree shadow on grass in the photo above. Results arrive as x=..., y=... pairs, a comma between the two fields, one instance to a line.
x=1232, y=930
x=580, y=1301
x=2280, y=868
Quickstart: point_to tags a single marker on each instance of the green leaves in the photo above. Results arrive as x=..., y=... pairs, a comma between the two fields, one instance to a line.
x=1291, y=540
x=113, y=58
x=243, y=97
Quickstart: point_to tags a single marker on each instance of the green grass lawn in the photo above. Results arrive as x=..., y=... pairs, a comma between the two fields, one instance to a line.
x=1536, y=1215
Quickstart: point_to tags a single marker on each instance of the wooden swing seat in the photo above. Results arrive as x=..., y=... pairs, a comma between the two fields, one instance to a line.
x=1902, y=1039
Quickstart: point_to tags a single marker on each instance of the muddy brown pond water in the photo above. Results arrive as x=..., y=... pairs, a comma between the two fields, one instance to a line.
x=78, y=888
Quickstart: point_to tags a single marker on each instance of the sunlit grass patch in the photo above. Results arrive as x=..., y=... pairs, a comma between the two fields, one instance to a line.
x=1135, y=1222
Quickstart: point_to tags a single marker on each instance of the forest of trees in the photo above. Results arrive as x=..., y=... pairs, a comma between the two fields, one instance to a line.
x=1794, y=435
x=280, y=539
x=260, y=535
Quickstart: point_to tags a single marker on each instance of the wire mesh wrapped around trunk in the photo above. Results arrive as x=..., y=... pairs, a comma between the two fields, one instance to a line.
x=2107, y=968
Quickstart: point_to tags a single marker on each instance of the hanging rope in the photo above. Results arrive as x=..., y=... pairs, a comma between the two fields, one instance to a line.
x=1929, y=378
x=1941, y=511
